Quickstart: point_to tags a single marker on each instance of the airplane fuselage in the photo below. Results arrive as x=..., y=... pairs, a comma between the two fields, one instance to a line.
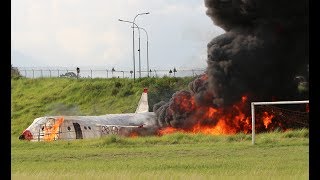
x=51, y=128
x=81, y=127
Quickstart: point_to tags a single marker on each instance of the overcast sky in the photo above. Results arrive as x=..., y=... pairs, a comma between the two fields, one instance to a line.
x=70, y=33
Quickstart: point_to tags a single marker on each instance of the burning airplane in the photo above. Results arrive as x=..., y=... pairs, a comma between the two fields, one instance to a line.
x=262, y=56
x=51, y=128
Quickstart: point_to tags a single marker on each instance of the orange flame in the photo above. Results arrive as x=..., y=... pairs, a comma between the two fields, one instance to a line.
x=244, y=99
x=214, y=121
x=206, y=118
x=51, y=133
x=168, y=130
x=133, y=134
x=204, y=77
x=267, y=119
x=220, y=128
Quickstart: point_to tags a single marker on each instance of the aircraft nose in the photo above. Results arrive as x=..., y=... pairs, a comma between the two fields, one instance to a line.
x=26, y=135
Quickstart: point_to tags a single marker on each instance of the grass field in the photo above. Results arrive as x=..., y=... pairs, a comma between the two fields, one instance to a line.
x=276, y=155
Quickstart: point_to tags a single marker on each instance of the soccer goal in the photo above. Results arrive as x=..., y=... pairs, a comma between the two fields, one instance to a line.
x=272, y=114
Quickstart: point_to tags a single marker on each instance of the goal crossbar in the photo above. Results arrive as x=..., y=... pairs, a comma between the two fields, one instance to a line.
x=267, y=103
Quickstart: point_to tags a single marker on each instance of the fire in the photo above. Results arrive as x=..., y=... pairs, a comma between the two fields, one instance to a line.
x=223, y=121
x=211, y=112
x=220, y=128
x=168, y=130
x=216, y=121
x=133, y=134
x=51, y=132
x=267, y=119
x=204, y=77
x=244, y=99
x=185, y=103
x=199, y=111
x=210, y=120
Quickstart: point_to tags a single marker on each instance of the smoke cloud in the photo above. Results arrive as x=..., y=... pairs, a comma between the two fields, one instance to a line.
x=264, y=50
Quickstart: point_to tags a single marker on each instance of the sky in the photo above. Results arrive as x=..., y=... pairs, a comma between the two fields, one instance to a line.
x=71, y=33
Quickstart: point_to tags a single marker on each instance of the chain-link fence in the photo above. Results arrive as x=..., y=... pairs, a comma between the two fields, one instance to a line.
x=106, y=73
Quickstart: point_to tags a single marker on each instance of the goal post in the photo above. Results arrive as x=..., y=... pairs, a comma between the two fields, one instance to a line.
x=268, y=103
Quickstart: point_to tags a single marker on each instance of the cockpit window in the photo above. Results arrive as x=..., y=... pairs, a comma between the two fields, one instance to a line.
x=89, y=127
x=69, y=128
x=85, y=127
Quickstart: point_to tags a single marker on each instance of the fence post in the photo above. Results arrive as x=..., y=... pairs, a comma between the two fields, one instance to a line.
x=33, y=73
x=25, y=73
x=107, y=73
x=91, y=73
x=50, y=72
x=58, y=73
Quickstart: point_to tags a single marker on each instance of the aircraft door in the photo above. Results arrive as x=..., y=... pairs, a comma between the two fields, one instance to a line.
x=77, y=128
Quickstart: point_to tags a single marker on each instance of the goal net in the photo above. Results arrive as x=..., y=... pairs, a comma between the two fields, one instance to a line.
x=279, y=115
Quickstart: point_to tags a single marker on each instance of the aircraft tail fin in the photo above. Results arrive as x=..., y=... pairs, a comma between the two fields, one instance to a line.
x=143, y=105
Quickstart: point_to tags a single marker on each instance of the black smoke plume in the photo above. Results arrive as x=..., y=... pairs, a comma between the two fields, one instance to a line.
x=263, y=54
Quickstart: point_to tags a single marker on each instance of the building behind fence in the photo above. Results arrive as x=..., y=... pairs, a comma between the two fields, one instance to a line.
x=106, y=73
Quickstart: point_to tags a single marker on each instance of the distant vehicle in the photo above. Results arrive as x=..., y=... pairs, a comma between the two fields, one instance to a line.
x=52, y=128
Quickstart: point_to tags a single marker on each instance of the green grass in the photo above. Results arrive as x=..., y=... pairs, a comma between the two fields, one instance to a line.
x=176, y=156
x=276, y=155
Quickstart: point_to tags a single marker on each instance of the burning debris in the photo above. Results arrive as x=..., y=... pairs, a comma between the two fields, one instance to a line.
x=264, y=49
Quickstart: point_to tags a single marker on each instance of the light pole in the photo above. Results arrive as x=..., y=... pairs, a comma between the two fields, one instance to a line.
x=147, y=51
x=133, y=50
x=147, y=48
x=139, y=38
x=134, y=62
